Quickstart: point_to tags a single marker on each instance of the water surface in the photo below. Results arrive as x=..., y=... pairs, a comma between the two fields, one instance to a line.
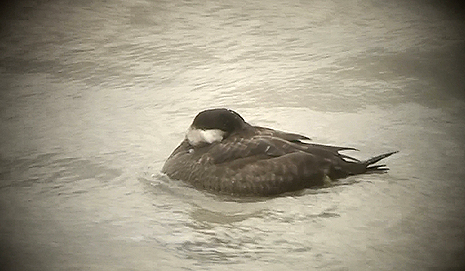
x=96, y=94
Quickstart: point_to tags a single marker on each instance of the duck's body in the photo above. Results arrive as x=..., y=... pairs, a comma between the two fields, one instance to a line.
x=225, y=154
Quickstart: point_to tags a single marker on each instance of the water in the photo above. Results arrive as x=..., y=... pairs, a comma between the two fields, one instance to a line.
x=96, y=94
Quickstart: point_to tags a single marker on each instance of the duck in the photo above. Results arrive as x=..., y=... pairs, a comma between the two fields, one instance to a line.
x=222, y=153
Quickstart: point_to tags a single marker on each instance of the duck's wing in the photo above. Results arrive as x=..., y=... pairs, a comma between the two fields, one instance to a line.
x=291, y=137
x=259, y=147
x=328, y=151
x=264, y=146
x=263, y=165
x=254, y=166
x=343, y=165
x=307, y=147
x=259, y=165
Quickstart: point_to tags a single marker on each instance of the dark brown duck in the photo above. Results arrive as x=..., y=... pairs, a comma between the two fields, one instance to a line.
x=225, y=154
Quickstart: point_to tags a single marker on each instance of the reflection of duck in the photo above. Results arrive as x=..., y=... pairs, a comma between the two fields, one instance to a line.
x=223, y=153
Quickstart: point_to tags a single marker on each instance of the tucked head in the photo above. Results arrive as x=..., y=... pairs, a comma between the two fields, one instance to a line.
x=213, y=125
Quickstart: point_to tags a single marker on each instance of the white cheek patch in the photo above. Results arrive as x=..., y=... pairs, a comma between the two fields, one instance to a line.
x=199, y=136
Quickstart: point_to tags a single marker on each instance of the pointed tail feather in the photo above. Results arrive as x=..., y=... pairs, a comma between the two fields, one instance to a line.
x=369, y=163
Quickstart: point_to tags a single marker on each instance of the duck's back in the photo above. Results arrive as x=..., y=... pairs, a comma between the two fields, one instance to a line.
x=260, y=166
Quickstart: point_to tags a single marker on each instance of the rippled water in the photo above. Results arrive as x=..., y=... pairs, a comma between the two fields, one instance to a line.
x=96, y=94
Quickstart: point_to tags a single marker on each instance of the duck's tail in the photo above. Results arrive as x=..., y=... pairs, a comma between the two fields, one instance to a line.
x=351, y=166
x=370, y=168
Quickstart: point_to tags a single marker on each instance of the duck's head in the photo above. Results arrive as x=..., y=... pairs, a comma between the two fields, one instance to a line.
x=213, y=125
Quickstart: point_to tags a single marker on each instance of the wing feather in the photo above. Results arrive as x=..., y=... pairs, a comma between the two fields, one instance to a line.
x=291, y=137
x=275, y=175
x=257, y=147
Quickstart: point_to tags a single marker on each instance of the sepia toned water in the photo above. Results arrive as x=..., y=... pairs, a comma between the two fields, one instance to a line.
x=96, y=94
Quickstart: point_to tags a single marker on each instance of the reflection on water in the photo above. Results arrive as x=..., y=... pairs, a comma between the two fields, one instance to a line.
x=95, y=95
